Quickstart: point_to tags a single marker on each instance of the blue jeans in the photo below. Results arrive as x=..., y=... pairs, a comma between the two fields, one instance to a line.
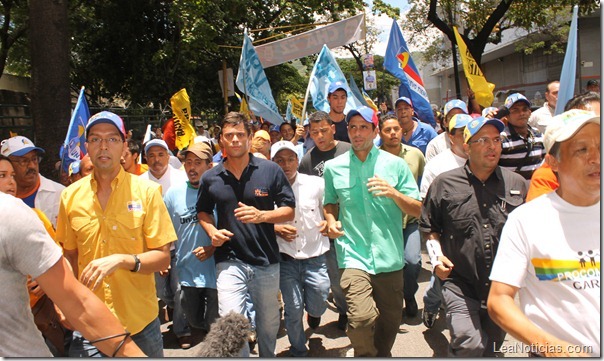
x=149, y=340
x=304, y=285
x=433, y=295
x=413, y=260
x=200, y=306
x=334, y=278
x=235, y=280
x=168, y=290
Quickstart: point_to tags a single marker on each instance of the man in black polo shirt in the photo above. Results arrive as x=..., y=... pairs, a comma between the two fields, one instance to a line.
x=462, y=218
x=245, y=189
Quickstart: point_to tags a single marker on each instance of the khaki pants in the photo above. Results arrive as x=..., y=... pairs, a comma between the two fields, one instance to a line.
x=375, y=309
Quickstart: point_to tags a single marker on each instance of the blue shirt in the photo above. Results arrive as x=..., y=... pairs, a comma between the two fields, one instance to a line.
x=262, y=185
x=422, y=135
x=181, y=202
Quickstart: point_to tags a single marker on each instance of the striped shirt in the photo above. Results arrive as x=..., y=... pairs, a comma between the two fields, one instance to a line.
x=515, y=148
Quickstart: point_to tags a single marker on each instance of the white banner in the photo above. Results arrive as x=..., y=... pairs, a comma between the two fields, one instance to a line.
x=369, y=80
x=333, y=35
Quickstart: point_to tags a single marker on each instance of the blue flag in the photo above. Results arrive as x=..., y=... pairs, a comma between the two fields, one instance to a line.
x=569, y=67
x=251, y=80
x=288, y=112
x=356, y=91
x=325, y=72
x=399, y=63
x=73, y=147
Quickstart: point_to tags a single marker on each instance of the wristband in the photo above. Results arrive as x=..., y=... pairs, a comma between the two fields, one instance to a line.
x=137, y=264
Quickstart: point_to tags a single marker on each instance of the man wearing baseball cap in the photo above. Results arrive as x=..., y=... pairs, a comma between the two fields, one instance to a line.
x=337, y=96
x=442, y=141
x=166, y=282
x=449, y=159
x=116, y=233
x=415, y=132
x=522, y=147
x=462, y=217
x=303, y=280
x=33, y=188
x=194, y=254
x=367, y=192
x=550, y=250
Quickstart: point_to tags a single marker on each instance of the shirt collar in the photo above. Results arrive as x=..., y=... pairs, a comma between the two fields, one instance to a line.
x=118, y=180
x=497, y=172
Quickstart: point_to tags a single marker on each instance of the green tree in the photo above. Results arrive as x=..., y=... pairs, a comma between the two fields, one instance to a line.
x=482, y=22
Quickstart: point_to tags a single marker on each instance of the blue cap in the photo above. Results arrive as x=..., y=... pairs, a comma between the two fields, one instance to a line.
x=459, y=121
x=514, y=98
x=108, y=118
x=366, y=113
x=487, y=110
x=455, y=103
x=158, y=143
x=476, y=124
x=306, y=122
x=18, y=146
x=403, y=99
x=74, y=167
x=275, y=128
x=338, y=85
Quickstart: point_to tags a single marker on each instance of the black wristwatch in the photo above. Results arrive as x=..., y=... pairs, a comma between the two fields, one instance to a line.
x=137, y=264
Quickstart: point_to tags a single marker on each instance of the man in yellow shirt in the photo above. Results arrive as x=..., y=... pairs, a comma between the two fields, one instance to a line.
x=116, y=232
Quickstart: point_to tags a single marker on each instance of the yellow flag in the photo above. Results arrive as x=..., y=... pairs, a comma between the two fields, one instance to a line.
x=483, y=90
x=370, y=102
x=181, y=106
x=297, y=107
x=243, y=108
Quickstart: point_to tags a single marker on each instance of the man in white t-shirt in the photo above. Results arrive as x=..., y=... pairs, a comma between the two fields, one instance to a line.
x=550, y=250
x=541, y=117
x=166, y=283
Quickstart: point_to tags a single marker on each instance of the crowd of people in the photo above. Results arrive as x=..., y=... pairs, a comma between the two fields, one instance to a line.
x=260, y=219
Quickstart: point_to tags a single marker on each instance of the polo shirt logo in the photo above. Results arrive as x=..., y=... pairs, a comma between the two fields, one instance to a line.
x=134, y=206
x=261, y=192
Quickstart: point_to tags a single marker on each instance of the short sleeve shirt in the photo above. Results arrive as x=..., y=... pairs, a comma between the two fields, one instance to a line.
x=469, y=216
x=422, y=135
x=262, y=185
x=134, y=220
x=373, y=226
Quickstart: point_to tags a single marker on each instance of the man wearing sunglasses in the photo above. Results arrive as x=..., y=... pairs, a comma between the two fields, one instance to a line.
x=462, y=217
x=33, y=188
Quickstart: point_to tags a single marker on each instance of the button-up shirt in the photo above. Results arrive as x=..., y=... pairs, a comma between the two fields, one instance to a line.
x=519, y=154
x=309, y=241
x=134, y=220
x=373, y=226
x=469, y=216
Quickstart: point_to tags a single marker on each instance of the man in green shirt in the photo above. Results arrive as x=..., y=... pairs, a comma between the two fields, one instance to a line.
x=369, y=191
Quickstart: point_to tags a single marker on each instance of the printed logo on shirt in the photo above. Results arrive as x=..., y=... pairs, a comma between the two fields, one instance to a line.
x=135, y=206
x=583, y=271
x=261, y=192
x=320, y=168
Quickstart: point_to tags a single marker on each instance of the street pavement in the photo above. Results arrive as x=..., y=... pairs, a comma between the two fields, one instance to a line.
x=413, y=339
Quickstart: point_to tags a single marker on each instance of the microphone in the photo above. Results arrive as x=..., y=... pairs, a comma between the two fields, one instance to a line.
x=227, y=336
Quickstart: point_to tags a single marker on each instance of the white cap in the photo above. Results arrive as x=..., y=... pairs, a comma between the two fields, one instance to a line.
x=18, y=146
x=564, y=126
x=280, y=145
x=156, y=142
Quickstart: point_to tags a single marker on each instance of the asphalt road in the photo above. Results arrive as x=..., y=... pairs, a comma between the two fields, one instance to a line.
x=413, y=340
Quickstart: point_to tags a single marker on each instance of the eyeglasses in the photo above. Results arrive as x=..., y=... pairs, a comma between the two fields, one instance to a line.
x=23, y=161
x=97, y=141
x=486, y=140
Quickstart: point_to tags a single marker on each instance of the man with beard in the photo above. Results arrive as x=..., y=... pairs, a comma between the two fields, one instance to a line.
x=322, y=132
x=33, y=188
x=391, y=132
x=522, y=147
x=415, y=132
x=366, y=193
x=462, y=217
x=166, y=282
x=194, y=266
